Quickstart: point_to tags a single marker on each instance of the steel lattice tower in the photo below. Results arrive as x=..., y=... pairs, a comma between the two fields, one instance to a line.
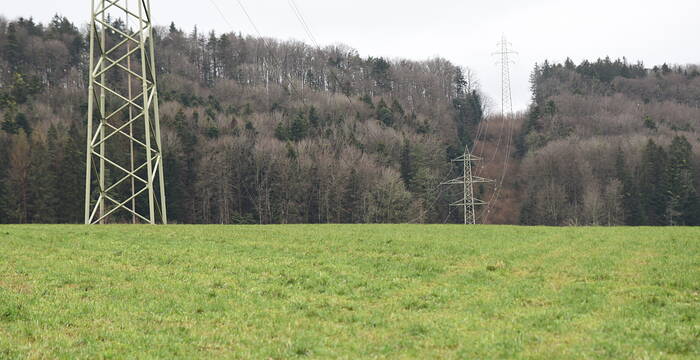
x=505, y=50
x=124, y=167
x=468, y=201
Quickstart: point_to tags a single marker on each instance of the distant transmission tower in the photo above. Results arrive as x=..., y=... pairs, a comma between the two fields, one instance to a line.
x=124, y=166
x=504, y=51
x=468, y=201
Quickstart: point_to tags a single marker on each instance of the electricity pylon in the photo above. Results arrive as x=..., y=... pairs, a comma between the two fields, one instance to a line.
x=505, y=50
x=468, y=201
x=124, y=165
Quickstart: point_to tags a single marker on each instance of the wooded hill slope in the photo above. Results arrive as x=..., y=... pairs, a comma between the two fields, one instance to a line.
x=611, y=143
x=254, y=130
x=263, y=131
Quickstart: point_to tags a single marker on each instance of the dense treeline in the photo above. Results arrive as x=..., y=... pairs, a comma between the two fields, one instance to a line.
x=611, y=143
x=254, y=130
x=262, y=131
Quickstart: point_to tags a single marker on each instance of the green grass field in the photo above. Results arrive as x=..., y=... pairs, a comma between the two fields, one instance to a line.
x=349, y=292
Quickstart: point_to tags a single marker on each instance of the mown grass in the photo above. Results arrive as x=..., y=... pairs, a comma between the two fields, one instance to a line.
x=386, y=291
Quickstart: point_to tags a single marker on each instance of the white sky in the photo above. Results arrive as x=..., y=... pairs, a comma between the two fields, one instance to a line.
x=465, y=32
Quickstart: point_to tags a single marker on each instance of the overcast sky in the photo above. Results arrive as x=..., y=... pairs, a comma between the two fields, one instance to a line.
x=462, y=31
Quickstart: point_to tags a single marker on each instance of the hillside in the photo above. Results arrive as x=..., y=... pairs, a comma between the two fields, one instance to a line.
x=259, y=131
x=611, y=143
x=255, y=130
x=403, y=291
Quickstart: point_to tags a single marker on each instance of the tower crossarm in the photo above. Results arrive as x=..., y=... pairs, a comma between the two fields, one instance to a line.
x=477, y=179
x=469, y=157
x=464, y=202
x=457, y=181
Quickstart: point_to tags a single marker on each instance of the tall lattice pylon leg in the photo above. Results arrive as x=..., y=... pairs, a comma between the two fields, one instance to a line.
x=124, y=180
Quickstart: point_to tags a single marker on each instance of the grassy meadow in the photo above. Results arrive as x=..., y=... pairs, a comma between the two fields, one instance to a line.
x=349, y=292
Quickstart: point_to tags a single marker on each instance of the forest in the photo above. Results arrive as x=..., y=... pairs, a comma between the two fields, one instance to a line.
x=254, y=130
x=260, y=131
x=611, y=143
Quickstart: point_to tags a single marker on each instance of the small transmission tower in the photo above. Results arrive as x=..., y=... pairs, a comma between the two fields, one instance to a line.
x=469, y=202
x=124, y=165
x=504, y=52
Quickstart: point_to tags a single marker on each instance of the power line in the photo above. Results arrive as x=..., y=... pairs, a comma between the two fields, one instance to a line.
x=505, y=50
x=250, y=19
x=245, y=12
x=304, y=24
x=221, y=13
x=307, y=29
x=262, y=39
x=506, y=97
x=300, y=17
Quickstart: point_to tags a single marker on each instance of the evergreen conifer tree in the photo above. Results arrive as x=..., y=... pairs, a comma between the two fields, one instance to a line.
x=653, y=184
x=4, y=161
x=299, y=127
x=17, y=181
x=682, y=194
x=352, y=196
x=406, y=164
x=384, y=114
x=42, y=201
x=71, y=181
x=12, y=51
x=314, y=118
x=633, y=214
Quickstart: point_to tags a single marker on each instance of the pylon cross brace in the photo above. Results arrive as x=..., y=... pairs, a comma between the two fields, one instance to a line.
x=123, y=117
